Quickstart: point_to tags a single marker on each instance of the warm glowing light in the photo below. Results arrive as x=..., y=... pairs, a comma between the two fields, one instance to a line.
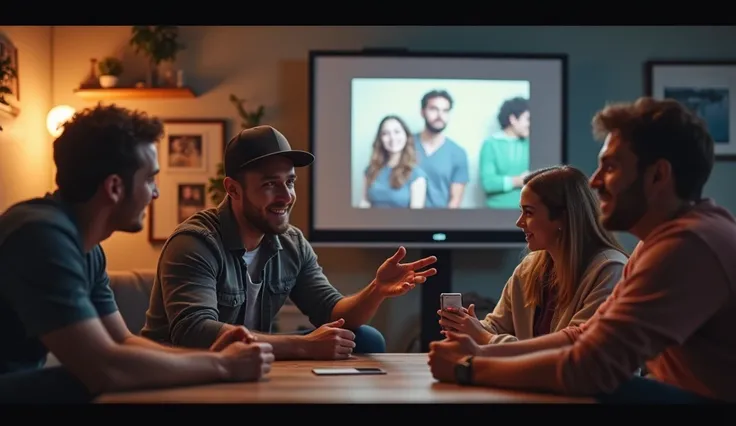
x=58, y=116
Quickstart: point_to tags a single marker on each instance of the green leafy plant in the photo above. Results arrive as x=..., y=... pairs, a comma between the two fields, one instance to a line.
x=7, y=75
x=159, y=43
x=250, y=119
x=110, y=66
x=216, y=188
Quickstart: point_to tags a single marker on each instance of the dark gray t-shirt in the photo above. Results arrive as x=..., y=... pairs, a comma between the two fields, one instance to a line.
x=47, y=282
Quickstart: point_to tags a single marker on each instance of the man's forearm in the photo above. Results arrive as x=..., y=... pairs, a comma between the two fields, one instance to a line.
x=359, y=308
x=142, y=342
x=548, y=341
x=456, y=195
x=531, y=372
x=285, y=346
x=455, y=200
x=130, y=367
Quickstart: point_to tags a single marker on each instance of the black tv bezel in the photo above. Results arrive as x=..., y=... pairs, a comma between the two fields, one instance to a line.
x=417, y=238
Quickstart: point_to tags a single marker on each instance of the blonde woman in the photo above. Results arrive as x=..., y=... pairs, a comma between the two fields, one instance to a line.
x=393, y=179
x=571, y=268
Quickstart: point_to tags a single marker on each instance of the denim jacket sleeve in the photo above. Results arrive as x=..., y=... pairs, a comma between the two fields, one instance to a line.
x=313, y=294
x=188, y=284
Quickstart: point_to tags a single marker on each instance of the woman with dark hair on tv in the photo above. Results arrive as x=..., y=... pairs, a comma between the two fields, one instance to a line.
x=571, y=267
x=393, y=179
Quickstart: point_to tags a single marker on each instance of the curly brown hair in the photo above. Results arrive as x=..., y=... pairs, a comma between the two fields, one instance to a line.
x=662, y=130
x=401, y=173
x=99, y=142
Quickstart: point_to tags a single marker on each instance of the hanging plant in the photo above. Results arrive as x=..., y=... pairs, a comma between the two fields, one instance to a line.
x=216, y=189
x=7, y=75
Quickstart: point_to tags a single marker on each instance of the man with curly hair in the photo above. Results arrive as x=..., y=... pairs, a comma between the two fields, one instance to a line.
x=55, y=293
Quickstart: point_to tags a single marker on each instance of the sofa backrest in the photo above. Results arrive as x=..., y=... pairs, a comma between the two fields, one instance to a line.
x=132, y=293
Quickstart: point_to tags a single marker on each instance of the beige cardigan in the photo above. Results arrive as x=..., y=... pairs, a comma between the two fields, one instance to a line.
x=511, y=320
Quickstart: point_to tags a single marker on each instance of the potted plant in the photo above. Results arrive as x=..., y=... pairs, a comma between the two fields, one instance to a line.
x=7, y=75
x=159, y=43
x=110, y=70
x=250, y=119
x=216, y=188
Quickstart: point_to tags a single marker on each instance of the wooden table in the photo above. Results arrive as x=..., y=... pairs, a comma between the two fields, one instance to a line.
x=408, y=380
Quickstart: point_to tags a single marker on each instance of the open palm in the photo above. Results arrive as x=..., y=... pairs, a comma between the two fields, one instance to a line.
x=394, y=278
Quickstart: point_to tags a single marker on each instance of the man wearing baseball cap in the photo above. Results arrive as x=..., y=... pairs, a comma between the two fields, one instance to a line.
x=235, y=265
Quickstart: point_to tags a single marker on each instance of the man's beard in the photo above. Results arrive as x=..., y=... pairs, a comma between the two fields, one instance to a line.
x=629, y=207
x=128, y=217
x=255, y=219
x=432, y=129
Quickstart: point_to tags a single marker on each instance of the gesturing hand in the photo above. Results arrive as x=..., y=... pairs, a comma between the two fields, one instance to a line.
x=394, y=278
x=330, y=342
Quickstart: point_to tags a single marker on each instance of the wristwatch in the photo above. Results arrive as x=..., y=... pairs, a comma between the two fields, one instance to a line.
x=464, y=371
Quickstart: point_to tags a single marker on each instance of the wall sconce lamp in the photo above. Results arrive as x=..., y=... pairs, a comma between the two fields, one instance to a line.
x=58, y=115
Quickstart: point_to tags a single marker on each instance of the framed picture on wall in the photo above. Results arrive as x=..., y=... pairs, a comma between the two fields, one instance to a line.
x=706, y=87
x=189, y=153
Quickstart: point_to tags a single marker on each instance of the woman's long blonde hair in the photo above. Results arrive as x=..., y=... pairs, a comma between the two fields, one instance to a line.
x=565, y=192
x=379, y=157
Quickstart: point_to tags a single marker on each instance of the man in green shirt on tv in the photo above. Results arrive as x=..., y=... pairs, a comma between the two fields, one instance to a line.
x=504, y=157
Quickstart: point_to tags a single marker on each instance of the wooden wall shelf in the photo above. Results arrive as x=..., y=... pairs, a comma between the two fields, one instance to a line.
x=135, y=93
x=9, y=110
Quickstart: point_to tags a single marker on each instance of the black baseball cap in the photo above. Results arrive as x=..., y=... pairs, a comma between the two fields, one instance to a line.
x=260, y=142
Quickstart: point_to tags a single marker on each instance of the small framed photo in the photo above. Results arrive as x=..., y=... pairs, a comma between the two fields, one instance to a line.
x=189, y=154
x=186, y=153
x=706, y=88
x=191, y=198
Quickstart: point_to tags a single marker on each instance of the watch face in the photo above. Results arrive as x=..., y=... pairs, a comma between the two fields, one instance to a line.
x=463, y=372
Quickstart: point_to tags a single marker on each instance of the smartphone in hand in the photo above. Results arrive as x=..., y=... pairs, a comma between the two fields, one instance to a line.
x=451, y=300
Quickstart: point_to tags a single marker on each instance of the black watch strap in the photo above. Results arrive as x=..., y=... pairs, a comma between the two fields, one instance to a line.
x=464, y=371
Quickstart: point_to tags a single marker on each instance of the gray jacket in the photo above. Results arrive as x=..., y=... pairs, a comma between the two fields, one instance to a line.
x=200, y=281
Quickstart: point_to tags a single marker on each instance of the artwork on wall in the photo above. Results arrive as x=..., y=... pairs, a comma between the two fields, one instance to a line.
x=706, y=87
x=190, y=199
x=188, y=153
x=8, y=52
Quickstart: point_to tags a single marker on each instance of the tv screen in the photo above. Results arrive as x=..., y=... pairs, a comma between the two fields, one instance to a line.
x=429, y=149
